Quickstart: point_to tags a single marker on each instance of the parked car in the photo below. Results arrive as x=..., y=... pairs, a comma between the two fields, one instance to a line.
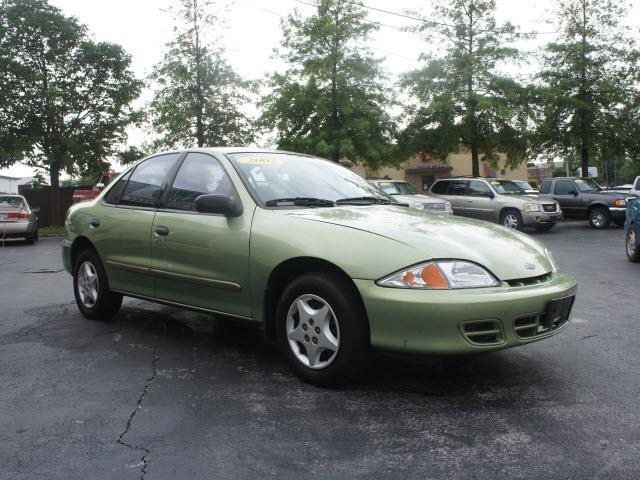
x=17, y=218
x=632, y=231
x=525, y=187
x=406, y=193
x=314, y=253
x=584, y=198
x=635, y=190
x=497, y=200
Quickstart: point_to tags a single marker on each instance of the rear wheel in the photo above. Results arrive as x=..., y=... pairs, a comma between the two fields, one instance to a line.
x=322, y=329
x=511, y=219
x=91, y=288
x=599, y=218
x=633, y=251
x=29, y=238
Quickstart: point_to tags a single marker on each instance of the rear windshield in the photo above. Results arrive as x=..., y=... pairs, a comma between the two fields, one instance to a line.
x=12, y=202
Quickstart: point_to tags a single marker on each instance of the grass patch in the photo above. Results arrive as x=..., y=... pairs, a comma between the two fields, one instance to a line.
x=51, y=231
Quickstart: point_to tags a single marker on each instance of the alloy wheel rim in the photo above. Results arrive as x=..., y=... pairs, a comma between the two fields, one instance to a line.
x=511, y=221
x=87, y=284
x=631, y=243
x=597, y=219
x=312, y=331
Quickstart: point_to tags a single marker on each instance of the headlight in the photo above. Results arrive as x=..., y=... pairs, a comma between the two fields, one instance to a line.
x=447, y=205
x=441, y=274
x=552, y=261
x=417, y=205
x=620, y=203
x=531, y=207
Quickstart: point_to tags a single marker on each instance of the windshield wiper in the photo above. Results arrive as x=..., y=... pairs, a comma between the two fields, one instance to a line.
x=300, y=202
x=363, y=201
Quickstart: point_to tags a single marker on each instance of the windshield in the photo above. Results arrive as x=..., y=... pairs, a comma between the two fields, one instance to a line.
x=12, y=202
x=397, y=188
x=273, y=176
x=523, y=185
x=587, y=185
x=505, y=186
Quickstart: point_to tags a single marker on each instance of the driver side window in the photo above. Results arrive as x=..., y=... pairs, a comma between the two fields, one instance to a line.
x=564, y=187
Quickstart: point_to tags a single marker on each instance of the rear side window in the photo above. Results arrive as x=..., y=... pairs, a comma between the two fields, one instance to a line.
x=545, y=186
x=440, y=188
x=144, y=187
x=563, y=187
x=199, y=174
x=457, y=187
x=114, y=193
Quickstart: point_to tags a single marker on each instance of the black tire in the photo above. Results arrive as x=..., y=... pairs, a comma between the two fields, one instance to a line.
x=631, y=244
x=36, y=236
x=29, y=239
x=107, y=303
x=511, y=218
x=619, y=222
x=545, y=227
x=351, y=356
x=599, y=218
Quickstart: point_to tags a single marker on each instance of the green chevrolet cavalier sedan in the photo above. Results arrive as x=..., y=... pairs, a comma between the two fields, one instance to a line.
x=329, y=264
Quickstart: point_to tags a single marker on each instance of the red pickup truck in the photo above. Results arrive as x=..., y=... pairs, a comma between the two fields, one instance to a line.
x=84, y=195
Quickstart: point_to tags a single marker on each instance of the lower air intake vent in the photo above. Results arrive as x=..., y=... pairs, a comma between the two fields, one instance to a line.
x=525, y=282
x=483, y=332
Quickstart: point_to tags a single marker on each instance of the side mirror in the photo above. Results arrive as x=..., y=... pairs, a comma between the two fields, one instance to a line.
x=219, y=204
x=99, y=187
x=573, y=192
x=35, y=210
x=488, y=194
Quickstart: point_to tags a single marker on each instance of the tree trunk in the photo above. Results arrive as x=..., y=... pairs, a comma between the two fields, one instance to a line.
x=472, y=104
x=54, y=176
x=335, y=151
x=584, y=156
x=199, y=94
x=475, y=160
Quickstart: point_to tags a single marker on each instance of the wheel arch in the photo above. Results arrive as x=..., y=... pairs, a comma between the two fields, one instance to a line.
x=593, y=206
x=287, y=271
x=79, y=245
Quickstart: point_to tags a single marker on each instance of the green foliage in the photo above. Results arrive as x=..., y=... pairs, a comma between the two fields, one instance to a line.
x=534, y=183
x=461, y=98
x=589, y=103
x=199, y=99
x=63, y=97
x=331, y=101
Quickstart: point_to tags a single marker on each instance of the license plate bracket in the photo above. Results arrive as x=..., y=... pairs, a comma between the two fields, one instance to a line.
x=557, y=311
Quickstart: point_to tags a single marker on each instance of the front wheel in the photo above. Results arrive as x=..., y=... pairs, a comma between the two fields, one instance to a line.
x=322, y=329
x=633, y=251
x=511, y=219
x=91, y=288
x=599, y=218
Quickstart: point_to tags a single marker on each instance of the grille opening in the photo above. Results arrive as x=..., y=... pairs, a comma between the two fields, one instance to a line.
x=549, y=207
x=532, y=326
x=525, y=282
x=483, y=332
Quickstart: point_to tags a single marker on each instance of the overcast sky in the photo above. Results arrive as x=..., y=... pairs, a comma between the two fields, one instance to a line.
x=143, y=27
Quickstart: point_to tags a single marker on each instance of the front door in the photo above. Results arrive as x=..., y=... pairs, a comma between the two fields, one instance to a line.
x=201, y=260
x=121, y=226
x=568, y=196
x=480, y=201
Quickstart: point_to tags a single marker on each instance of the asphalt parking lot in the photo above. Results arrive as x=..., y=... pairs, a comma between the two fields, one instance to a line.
x=162, y=393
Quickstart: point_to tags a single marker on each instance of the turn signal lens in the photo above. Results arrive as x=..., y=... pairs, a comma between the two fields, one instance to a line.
x=432, y=277
x=620, y=203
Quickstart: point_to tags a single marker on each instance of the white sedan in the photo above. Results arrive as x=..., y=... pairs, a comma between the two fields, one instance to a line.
x=404, y=192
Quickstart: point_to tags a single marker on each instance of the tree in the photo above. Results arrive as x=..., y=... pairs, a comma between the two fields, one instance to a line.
x=590, y=99
x=331, y=101
x=461, y=98
x=199, y=98
x=63, y=97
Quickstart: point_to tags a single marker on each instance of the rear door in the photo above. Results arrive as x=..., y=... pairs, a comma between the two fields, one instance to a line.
x=457, y=195
x=120, y=227
x=201, y=260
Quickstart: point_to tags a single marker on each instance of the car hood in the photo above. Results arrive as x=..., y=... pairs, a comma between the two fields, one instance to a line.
x=418, y=198
x=507, y=253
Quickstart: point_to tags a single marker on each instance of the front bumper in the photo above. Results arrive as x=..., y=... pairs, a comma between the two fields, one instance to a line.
x=618, y=213
x=421, y=321
x=541, y=218
x=66, y=254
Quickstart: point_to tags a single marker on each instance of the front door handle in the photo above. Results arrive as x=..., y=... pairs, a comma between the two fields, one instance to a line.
x=161, y=231
x=94, y=222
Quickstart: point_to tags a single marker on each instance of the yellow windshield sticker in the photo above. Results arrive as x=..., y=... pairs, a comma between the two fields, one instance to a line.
x=579, y=181
x=495, y=184
x=260, y=161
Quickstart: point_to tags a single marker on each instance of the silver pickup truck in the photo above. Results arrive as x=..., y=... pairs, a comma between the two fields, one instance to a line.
x=497, y=200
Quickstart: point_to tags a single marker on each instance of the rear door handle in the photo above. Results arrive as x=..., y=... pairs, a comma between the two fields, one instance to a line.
x=161, y=231
x=94, y=222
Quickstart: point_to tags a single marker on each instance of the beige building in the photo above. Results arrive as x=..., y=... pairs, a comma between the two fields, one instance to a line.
x=422, y=170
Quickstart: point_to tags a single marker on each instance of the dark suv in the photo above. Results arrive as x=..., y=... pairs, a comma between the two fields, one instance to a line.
x=584, y=198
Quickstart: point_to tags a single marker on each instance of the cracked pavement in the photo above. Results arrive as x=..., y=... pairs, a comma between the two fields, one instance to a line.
x=164, y=393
